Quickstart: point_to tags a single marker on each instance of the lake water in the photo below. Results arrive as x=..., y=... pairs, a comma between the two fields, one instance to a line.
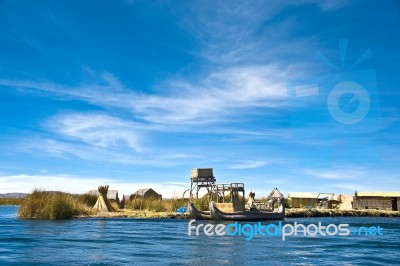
x=166, y=242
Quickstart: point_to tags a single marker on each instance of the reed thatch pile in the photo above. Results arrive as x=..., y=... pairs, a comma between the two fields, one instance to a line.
x=102, y=203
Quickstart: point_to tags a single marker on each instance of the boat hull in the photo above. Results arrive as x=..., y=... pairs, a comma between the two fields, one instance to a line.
x=197, y=214
x=256, y=215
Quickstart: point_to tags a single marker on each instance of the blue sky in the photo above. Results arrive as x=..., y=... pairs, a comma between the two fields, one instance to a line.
x=301, y=96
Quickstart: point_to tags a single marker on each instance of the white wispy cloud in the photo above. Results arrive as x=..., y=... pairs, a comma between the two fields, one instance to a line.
x=338, y=173
x=40, y=146
x=242, y=31
x=96, y=129
x=246, y=71
x=252, y=74
x=248, y=164
x=226, y=30
x=332, y=5
x=238, y=32
x=350, y=187
x=221, y=94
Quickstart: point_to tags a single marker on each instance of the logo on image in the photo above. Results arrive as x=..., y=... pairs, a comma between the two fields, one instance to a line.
x=346, y=99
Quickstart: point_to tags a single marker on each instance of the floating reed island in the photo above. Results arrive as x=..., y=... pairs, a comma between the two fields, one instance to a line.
x=228, y=201
x=41, y=204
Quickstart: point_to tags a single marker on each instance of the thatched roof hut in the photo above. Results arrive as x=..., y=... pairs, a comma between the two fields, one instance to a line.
x=377, y=200
x=303, y=199
x=111, y=194
x=102, y=203
x=145, y=193
x=275, y=194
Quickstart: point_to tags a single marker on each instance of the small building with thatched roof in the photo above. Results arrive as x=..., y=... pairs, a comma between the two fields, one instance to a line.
x=145, y=193
x=111, y=194
x=102, y=203
x=377, y=200
x=303, y=199
x=275, y=194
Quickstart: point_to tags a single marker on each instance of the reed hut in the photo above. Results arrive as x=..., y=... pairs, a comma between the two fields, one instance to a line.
x=275, y=194
x=112, y=195
x=145, y=194
x=377, y=200
x=303, y=199
x=102, y=203
x=274, y=200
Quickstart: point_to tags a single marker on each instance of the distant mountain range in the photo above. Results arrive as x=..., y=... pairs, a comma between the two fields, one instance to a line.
x=13, y=195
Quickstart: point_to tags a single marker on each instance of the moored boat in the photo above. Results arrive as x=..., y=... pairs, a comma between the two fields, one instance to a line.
x=252, y=215
x=197, y=214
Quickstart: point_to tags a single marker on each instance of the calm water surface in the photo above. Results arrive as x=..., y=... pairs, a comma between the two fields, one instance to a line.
x=165, y=242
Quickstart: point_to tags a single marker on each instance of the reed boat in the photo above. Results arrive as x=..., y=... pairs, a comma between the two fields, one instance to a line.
x=253, y=215
x=197, y=214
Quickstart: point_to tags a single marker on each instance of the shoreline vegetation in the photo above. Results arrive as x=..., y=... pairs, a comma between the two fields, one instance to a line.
x=11, y=201
x=53, y=205
x=41, y=204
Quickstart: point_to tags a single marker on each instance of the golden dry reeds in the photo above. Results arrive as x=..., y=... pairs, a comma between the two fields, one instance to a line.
x=41, y=204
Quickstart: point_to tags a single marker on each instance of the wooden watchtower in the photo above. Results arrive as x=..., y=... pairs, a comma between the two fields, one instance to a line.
x=201, y=178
